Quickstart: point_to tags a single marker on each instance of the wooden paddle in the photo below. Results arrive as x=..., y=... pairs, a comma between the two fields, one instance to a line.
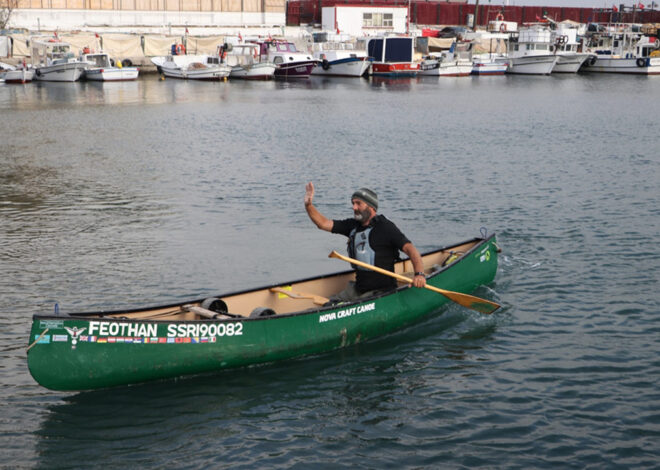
x=466, y=300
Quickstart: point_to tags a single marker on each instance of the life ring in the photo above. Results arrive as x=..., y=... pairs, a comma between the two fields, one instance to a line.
x=641, y=62
x=499, y=17
x=503, y=28
x=180, y=49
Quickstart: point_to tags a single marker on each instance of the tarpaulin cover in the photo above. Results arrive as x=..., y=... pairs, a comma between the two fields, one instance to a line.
x=205, y=45
x=121, y=46
x=155, y=46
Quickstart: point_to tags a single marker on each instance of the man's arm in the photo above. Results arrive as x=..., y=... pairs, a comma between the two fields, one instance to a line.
x=319, y=219
x=418, y=264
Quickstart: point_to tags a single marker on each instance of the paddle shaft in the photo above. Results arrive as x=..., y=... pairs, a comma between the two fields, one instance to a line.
x=466, y=300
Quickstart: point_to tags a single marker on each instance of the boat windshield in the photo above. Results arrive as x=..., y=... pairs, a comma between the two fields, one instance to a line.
x=286, y=47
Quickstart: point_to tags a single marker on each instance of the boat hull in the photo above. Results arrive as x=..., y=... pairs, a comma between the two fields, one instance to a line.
x=208, y=74
x=68, y=72
x=259, y=71
x=570, y=62
x=446, y=70
x=347, y=67
x=635, y=66
x=300, y=69
x=394, y=69
x=19, y=76
x=112, y=74
x=533, y=65
x=85, y=351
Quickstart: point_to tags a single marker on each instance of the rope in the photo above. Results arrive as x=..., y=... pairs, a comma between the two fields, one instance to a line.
x=37, y=340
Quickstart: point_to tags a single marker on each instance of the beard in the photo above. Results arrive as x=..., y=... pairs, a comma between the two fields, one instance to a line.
x=361, y=216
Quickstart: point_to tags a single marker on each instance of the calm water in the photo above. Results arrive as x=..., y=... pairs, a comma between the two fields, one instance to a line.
x=134, y=194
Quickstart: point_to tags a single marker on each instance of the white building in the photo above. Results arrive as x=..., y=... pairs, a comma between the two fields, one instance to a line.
x=364, y=21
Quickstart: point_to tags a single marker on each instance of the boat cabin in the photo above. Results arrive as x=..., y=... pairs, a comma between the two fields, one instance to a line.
x=391, y=48
x=51, y=52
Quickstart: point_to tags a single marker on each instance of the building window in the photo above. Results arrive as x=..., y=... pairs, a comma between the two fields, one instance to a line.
x=378, y=20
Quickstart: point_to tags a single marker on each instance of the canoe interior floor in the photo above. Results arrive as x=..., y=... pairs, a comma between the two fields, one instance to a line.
x=292, y=297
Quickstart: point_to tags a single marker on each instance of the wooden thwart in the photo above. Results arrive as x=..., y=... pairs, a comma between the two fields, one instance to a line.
x=318, y=300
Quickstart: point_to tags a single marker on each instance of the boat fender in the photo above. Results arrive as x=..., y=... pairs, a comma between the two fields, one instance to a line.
x=127, y=62
x=38, y=72
x=262, y=312
x=214, y=304
x=641, y=62
x=592, y=61
x=325, y=64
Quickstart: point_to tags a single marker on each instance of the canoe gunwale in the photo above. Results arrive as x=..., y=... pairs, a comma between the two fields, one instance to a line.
x=110, y=315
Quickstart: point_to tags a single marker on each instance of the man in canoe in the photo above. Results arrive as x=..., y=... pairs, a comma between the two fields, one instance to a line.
x=372, y=239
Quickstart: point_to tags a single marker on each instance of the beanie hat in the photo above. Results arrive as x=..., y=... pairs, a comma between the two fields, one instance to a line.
x=368, y=196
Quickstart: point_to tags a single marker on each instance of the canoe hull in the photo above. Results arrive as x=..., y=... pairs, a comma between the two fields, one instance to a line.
x=79, y=353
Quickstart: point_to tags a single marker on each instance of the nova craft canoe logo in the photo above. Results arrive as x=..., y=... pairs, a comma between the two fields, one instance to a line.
x=75, y=333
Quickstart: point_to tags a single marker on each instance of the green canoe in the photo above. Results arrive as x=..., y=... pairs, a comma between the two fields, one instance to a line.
x=81, y=351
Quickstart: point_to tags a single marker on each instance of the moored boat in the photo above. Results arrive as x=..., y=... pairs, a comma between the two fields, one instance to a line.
x=78, y=351
x=54, y=61
x=245, y=62
x=529, y=51
x=622, y=50
x=191, y=66
x=339, y=55
x=393, y=56
x=454, y=62
x=291, y=63
x=19, y=74
x=102, y=69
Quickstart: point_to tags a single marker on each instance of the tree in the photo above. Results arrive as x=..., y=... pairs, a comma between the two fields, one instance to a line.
x=6, y=8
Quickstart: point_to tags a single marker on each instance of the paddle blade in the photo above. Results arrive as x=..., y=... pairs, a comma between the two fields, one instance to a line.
x=471, y=302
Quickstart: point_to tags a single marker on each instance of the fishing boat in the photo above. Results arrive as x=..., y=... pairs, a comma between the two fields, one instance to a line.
x=291, y=63
x=19, y=74
x=246, y=63
x=393, y=56
x=529, y=51
x=620, y=49
x=192, y=66
x=454, y=62
x=567, y=45
x=54, y=61
x=79, y=351
x=102, y=69
x=339, y=55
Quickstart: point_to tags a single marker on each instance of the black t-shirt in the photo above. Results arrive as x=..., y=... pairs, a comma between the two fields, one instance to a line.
x=386, y=240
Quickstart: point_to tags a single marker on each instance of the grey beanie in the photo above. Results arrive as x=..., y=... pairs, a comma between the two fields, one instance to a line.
x=368, y=196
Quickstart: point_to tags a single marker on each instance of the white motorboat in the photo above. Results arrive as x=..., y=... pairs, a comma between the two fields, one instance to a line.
x=455, y=62
x=529, y=51
x=620, y=50
x=566, y=45
x=290, y=62
x=102, y=69
x=19, y=74
x=54, y=62
x=495, y=61
x=192, y=67
x=487, y=64
x=245, y=62
x=339, y=56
